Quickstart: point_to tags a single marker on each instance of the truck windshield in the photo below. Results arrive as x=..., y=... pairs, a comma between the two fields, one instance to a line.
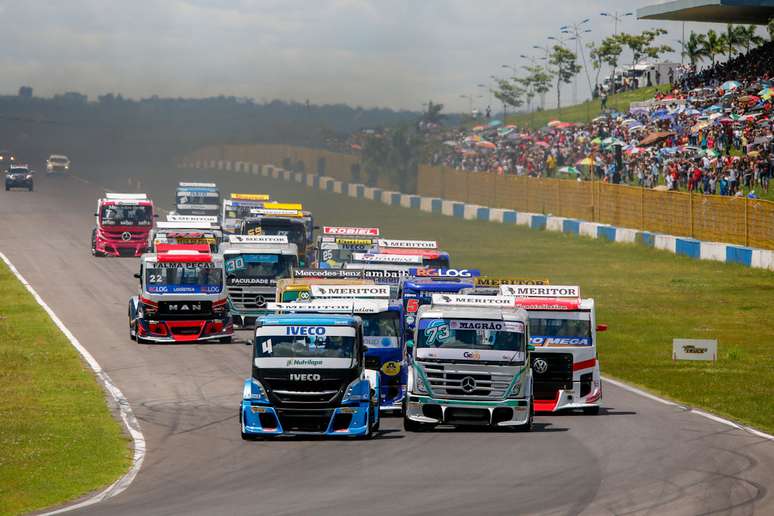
x=119, y=215
x=335, y=258
x=184, y=278
x=442, y=262
x=471, y=334
x=560, y=330
x=380, y=331
x=231, y=211
x=312, y=346
x=259, y=265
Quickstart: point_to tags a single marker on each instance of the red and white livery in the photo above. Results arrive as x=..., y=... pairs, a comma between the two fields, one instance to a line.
x=123, y=223
x=563, y=331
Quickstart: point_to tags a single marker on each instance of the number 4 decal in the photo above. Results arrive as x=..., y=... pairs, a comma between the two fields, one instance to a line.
x=266, y=346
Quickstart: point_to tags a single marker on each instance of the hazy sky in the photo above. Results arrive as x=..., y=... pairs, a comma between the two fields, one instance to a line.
x=393, y=53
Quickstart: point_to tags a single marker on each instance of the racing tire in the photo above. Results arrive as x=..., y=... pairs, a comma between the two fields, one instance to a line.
x=414, y=426
x=94, y=251
x=225, y=340
x=372, y=415
x=30, y=188
x=132, y=336
x=591, y=411
x=527, y=427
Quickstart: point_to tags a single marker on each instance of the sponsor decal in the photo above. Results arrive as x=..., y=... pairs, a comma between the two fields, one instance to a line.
x=258, y=239
x=198, y=219
x=305, y=377
x=327, y=273
x=386, y=258
x=540, y=366
x=539, y=340
x=276, y=211
x=540, y=290
x=305, y=330
x=491, y=281
x=350, y=231
x=382, y=291
x=250, y=197
x=303, y=362
x=465, y=300
x=232, y=281
x=408, y=244
x=377, y=342
x=391, y=368
x=472, y=355
x=354, y=242
x=197, y=185
x=126, y=236
x=430, y=272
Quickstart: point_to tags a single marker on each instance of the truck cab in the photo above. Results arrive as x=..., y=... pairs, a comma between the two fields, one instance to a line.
x=426, y=249
x=337, y=244
x=470, y=365
x=280, y=222
x=563, y=332
x=417, y=291
x=197, y=199
x=187, y=230
x=238, y=207
x=309, y=375
x=253, y=266
x=182, y=297
x=123, y=224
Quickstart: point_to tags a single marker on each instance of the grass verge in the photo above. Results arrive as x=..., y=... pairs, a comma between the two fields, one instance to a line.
x=646, y=296
x=585, y=111
x=58, y=440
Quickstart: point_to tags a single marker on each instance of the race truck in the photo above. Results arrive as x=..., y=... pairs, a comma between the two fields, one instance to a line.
x=336, y=245
x=197, y=230
x=253, y=265
x=123, y=225
x=287, y=221
x=19, y=176
x=197, y=199
x=563, y=331
x=470, y=365
x=381, y=327
x=238, y=207
x=309, y=374
x=427, y=249
x=57, y=164
x=182, y=297
x=417, y=289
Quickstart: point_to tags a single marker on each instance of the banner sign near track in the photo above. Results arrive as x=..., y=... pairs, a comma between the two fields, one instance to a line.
x=694, y=349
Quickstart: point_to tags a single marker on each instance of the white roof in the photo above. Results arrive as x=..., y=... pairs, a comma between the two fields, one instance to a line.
x=197, y=185
x=341, y=306
x=126, y=196
x=185, y=225
x=206, y=219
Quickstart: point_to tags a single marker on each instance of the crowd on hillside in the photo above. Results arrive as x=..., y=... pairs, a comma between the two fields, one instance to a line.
x=712, y=132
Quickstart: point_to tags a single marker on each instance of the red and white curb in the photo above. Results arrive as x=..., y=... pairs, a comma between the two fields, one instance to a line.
x=125, y=410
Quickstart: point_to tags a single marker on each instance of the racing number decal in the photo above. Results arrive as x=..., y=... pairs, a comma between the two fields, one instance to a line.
x=155, y=278
x=266, y=346
x=327, y=255
x=439, y=332
x=235, y=264
x=412, y=305
x=255, y=231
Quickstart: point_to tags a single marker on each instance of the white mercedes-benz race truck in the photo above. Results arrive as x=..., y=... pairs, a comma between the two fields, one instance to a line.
x=470, y=365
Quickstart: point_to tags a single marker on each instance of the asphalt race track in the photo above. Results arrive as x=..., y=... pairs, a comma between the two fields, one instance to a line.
x=637, y=457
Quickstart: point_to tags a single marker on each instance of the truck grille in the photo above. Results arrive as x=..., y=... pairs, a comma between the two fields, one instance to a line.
x=304, y=420
x=469, y=382
x=303, y=394
x=551, y=372
x=252, y=299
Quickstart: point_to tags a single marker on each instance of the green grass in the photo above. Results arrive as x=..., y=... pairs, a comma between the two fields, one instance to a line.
x=58, y=440
x=646, y=296
x=585, y=111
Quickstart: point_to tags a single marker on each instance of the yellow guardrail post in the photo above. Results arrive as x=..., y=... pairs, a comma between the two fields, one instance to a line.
x=746, y=221
x=642, y=208
x=690, y=209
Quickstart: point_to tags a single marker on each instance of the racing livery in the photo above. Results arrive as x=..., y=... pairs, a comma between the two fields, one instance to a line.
x=253, y=265
x=470, y=365
x=563, y=331
x=288, y=220
x=426, y=249
x=336, y=245
x=182, y=297
x=123, y=225
x=187, y=230
x=197, y=199
x=309, y=375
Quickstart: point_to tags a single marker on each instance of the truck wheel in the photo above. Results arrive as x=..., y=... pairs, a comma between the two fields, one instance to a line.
x=225, y=340
x=94, y=251
x=132, y=336
x=414, y=426
x=375, y=425
x=591, y=411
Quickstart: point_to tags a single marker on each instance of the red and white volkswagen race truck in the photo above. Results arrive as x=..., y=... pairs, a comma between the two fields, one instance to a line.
x=182, y=297
x=563, y=331
x=124, y=221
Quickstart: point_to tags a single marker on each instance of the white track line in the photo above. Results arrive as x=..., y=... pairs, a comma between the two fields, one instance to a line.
x=698, y=412
x=127, y=416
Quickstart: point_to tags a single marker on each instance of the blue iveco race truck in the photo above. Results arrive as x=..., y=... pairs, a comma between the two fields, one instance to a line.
x=309, y=375
x=418, y=289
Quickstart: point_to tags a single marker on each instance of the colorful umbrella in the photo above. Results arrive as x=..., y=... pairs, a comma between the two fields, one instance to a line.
x=495, y=123
x=486, y=145
x=569, y=170
x=479, y=128
x=766, y=93
x=730, y=85
x=585, y=162
x=553, y=123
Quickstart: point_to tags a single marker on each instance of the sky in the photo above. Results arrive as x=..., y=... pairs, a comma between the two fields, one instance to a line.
x=372, y=53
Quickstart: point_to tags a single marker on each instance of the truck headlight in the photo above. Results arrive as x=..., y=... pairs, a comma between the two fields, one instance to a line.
x=515, y=390
x=358, y=390
x=254, y=391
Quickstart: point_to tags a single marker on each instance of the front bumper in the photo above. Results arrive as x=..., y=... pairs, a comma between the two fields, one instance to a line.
x=185, y=331
x=260, y=419
x=20, y=183
x=568, y=399
x=120, y=247
x=424, y=409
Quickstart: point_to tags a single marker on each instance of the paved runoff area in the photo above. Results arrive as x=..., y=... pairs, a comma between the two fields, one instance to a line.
x=638, y=456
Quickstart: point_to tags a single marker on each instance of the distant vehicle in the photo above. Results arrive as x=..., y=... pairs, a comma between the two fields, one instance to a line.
x=57, y=164
x=7, y=158
x=123, y=224
x=197, y=199
x=18, y=176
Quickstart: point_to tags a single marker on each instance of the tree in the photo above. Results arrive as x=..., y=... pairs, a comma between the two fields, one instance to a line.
x=433, y=113
x=608, y=52
x=748, y=37
x=509, y=93
x=770, y=28
x=26, y=92
x=565, y=68
x=714, y=45
x=642, y=45
x=695, y=48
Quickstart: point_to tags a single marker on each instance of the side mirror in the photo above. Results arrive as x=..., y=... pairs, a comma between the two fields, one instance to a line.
x=316, y=227
x=601, y=327
x=366, y=349
x=137, y=275
x=96, y=214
